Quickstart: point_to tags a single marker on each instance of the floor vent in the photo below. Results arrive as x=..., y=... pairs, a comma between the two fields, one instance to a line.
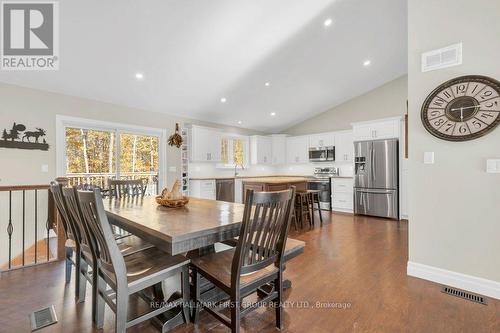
x=43, y=318
x=465, y=295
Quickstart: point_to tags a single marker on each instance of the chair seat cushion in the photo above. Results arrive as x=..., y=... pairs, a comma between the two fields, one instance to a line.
x=217, y=267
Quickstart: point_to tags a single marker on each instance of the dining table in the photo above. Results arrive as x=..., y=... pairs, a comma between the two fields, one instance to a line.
x=192, y=230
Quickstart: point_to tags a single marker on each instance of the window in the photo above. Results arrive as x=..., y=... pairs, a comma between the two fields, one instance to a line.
x=234, y=152
x=95, y=152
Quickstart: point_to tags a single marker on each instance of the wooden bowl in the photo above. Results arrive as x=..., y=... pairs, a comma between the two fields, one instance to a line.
x=172, y=203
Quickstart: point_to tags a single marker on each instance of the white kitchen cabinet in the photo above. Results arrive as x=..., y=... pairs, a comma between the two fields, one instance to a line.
x=344, y=146
x=375, y=130
x=202, y=188
x=278, y=149
x=322, y=140
x=205, y=144
x=297, y=149
x=261, y=149
x=342, y=194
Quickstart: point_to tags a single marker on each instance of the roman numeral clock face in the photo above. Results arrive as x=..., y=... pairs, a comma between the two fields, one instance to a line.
x=462, y=109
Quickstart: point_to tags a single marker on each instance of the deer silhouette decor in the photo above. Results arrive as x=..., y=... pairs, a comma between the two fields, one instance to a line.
x=29, y=140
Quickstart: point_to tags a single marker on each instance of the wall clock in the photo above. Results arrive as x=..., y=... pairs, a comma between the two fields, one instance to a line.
x=464, y=108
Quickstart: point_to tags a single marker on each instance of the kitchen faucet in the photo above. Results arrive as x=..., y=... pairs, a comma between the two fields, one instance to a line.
x=235, y=168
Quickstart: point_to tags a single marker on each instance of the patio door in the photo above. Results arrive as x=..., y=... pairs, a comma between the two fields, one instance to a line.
x=96, y=154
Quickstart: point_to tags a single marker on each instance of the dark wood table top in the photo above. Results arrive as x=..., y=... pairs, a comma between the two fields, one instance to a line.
x=199, y=224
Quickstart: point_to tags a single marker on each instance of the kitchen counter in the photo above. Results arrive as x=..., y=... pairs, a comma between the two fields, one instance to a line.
x=277, y=180
x=250, y=177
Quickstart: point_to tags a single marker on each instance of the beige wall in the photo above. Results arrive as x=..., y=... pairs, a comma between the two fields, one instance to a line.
x=385, y=101
x=36, y=108
x=454, y=203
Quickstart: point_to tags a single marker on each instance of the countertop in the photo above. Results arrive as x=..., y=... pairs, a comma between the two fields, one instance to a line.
x=278, y=180
x=265, y=177
x=249, y=177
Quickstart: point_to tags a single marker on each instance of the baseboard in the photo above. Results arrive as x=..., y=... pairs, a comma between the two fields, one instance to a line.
x=471, y=283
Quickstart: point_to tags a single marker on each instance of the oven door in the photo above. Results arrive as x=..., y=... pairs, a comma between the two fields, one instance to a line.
x=323, y=186
x=318, y=154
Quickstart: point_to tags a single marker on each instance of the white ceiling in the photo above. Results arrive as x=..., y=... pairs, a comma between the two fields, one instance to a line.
x=193, y=52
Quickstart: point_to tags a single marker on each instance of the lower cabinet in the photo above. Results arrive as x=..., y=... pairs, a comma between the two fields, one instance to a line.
x=342, y=194
x=203, y=189
x=271, y=187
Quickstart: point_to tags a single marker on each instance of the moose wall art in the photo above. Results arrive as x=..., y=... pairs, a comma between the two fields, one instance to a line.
x=19, y=137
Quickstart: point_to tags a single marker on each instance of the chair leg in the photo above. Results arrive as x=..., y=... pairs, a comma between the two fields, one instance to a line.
x=185, y=293
x=319, y=212
x=235, y=314
x=310, y=205
x=82, y=281
x=196, y=300
x=278, y=285
x=100, y=303
x=69, y=264
x=95, y=293
x=121, y=310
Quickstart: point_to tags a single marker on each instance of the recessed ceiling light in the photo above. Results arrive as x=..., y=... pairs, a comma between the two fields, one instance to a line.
x=328, y=22
x=223, y=100
x=267, y=84
x=367, y=63
x=239, y=122
x=139, y=76
x=273, y=114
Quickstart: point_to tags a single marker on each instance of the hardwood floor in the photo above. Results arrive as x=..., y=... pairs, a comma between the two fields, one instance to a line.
x=355, y=266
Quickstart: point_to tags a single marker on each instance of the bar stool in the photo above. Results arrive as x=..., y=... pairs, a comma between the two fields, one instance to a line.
x=302, y=208
x=314, y=199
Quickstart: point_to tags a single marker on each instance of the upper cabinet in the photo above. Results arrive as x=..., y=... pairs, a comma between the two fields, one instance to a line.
x=344, y=146
x=278, y=149
x=322, y=140
x=375, y=130
x=205, y=144
x=261, y=149
x=297, y=149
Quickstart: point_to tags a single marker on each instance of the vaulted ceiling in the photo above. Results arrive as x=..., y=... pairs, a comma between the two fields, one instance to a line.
x=192, y=53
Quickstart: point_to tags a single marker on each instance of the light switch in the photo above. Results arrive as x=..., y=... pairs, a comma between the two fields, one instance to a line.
x=493, y=166
x=172, y=169
x=45, y=168
x=429, y=157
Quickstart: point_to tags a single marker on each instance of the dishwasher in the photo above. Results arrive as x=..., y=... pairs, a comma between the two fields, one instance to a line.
x=224, y=190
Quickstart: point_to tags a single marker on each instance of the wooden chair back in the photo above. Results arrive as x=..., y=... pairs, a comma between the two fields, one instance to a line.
x=87, y=242
x=110, y=258
x=70, y=229
x=264, y=230
x=127, y=188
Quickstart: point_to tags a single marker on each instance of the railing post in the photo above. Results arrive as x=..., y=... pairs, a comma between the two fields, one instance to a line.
x=61, y=236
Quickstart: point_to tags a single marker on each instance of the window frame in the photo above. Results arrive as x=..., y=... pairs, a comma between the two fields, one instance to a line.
x=246, y=151
x=62, y=122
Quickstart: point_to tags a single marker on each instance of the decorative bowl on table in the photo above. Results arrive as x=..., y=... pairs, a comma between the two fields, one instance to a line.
x=172, y=203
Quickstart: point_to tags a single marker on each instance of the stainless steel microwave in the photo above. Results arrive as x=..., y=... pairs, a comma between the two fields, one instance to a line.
x=322, y=154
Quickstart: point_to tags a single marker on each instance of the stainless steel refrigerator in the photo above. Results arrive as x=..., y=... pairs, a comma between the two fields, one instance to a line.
x=376, y=178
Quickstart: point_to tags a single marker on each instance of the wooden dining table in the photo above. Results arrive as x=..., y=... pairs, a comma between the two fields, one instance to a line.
x=192, y=230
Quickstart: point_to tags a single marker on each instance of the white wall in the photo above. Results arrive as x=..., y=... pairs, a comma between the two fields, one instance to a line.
x=388, y=100
x=454, y=203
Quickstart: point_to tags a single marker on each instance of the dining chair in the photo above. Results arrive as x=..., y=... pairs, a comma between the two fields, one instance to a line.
x=88, y=248
x=256, y=260
x=127, y=188
x=72, y=234
x=119, y=277
x=119, y=188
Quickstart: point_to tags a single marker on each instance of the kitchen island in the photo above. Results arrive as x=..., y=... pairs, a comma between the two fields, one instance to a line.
x=269, y=184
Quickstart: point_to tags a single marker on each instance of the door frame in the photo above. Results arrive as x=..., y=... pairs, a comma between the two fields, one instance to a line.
x=67, y=121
